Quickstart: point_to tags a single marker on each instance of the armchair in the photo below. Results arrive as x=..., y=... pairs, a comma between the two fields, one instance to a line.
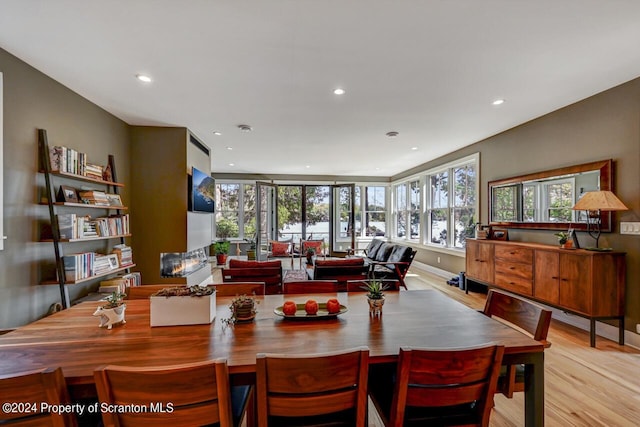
x=281, y=249
x=316, y=245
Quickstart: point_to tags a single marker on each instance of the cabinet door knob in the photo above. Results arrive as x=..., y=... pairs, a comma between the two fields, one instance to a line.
x=512, y=268
x=555, y=277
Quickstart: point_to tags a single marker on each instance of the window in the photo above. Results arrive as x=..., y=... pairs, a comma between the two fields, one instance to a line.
x=375, y=207
x=232, y=222
x=452, y=205
x=407, y=210
x=558, y=200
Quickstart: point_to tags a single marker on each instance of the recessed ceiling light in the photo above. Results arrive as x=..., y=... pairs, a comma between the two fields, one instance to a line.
x=143, y=78
x=392, y=134
x=498, y=102
x=307, y=166
x=217, y=133
x=232, y=164
x=245, y=128
x=338, y=91
x=229, y=148
x=414, y=148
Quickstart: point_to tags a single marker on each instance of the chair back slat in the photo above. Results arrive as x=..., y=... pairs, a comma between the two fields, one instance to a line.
x=230, y=289
x=316, y=384
x=310, y=286
x=431, y=380
x=145, y=291
x=199, y=393
x=40, y=386
x=526, y=315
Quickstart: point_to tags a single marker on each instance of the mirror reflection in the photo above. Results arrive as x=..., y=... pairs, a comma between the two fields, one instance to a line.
x=544, y=199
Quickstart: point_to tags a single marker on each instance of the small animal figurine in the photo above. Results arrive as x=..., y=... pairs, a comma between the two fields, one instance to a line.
x=110, y=316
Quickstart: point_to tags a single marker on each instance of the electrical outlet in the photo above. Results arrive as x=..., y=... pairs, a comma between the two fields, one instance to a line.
x=438, y=260
x=638, y=328
x=630, y=228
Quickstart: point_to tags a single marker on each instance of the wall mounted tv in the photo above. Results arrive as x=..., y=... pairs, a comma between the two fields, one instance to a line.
x=203, y=191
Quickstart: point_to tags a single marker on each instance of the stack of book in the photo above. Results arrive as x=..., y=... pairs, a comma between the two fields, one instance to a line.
x=124, y=253
x=93, y=171
x=67, y=160
x=102, y=264
x=79, y=266
x=94, y=197
x=117, y=284
x=73, y=226
x=114, y=225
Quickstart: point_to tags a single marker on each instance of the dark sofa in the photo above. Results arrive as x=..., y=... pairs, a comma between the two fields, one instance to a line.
x=388, y=260
x=341, y=270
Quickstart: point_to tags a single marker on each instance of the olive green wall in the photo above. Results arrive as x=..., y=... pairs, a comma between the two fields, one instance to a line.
x=31, y=101
x=604, y=126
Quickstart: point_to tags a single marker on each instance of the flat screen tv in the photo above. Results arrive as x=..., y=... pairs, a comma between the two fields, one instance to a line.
x=203, y=191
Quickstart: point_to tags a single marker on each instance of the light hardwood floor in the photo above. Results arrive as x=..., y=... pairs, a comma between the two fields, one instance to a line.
x=584, y=386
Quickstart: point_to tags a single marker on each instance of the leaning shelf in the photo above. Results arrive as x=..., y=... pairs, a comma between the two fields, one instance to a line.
x=86, y=279
x=53, y=204
x=88, y=239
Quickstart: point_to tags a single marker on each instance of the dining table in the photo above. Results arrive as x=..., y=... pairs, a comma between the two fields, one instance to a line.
x=73, y=340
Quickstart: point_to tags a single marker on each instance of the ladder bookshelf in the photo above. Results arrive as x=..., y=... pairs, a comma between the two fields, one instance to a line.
x=52, y=179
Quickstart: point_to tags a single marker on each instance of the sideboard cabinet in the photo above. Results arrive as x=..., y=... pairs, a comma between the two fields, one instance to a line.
x=590, y=284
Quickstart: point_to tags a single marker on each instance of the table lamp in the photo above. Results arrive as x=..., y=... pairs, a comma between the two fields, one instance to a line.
x=596, y=202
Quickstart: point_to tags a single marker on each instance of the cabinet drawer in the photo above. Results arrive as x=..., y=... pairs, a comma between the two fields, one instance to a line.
x=514, y=254
x=514, y=284
x=515, y=277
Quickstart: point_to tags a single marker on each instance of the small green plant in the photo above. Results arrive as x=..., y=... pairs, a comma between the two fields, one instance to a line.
x=562, y=236
x=114, y=300
x=375, y=289
x=221, y=247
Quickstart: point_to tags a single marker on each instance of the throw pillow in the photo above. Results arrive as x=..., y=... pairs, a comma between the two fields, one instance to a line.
x=279, y=249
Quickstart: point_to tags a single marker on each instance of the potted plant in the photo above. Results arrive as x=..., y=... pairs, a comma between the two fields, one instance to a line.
x=375, y=295
x=251, y=252
x=221, y=249
x=563, y=239
x=309, y=254
x=243, y=309
x=112, y=312
x=183, y=305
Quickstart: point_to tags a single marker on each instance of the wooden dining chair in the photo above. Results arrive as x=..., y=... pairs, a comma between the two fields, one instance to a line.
x=443, y=387
x=230, y=289
x=527, y=317
x=310, y=287
x=312, y=389
x=359, y=285
x=199, y=394
x=145, y=291
x=34, y=388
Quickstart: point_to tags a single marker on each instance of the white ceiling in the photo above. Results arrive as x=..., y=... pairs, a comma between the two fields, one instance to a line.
x=428, y=69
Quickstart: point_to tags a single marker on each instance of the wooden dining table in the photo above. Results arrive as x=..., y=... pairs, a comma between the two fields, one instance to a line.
x=72, y=339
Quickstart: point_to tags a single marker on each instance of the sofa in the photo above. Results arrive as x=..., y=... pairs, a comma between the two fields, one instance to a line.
x=339, y=269
x=386, y=260
x=269, y=272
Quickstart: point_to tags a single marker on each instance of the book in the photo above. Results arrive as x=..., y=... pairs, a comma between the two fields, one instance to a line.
x=67, y=225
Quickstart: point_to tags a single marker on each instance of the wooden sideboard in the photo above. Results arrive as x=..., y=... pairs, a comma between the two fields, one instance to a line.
x=590, y=284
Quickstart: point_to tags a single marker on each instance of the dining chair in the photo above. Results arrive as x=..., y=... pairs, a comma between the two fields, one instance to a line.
x=230, y=289
x=360, y=285
x=527, y=317
x=316, y=245
x=310, y=286
x=34, y=389
x=195, y=394
x=281, y=249
x=145, y=291
x=443, y=387
x=312, y=389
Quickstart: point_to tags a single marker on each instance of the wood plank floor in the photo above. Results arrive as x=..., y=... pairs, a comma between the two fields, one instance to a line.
x=584, y=386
